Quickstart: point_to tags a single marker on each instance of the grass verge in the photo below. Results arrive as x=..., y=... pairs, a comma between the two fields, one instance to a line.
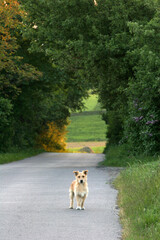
x=15, y=156
x=139, y=201
x=138, y=193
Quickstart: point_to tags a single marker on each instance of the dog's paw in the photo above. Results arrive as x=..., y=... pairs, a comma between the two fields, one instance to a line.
x=78, y=208
x=83, y=208
x=70, y=207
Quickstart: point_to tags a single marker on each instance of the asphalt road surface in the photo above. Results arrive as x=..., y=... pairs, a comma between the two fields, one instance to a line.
x=34, y=199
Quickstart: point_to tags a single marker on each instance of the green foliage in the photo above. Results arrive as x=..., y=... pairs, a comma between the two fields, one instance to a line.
x=14, y=73
x=114, y=46
x=33, y=91
x=139, y=198
x=114, y=131
x=142, y=125
x=5, y=112
x=122, y=156
x=58, y=50
x=51, y=31
x=133, y=75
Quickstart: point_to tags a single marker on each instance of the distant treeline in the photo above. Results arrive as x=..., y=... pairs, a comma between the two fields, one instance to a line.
x=53, y=52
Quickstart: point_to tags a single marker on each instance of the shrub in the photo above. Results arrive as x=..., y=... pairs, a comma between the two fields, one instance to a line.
x=52, y=138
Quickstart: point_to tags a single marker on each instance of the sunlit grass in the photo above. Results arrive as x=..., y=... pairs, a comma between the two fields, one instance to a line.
x=92, y=104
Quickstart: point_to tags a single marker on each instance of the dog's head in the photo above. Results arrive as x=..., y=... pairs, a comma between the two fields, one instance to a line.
x=81, y=177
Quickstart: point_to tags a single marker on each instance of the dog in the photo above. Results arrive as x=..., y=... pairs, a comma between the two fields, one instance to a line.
x=79, y=189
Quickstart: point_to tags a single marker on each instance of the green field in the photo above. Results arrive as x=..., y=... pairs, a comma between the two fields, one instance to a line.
x=87, y=126
x=92, y=104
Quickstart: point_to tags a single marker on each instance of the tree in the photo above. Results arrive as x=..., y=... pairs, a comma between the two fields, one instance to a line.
x=13, y=72
x=102, y=46
x=33, y=90
x=142, y=124
x=56, y=30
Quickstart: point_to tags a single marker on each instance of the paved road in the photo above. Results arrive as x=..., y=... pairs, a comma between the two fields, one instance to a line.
x=34, y=199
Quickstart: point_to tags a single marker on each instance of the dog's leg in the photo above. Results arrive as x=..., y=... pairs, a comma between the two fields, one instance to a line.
x=82, y=204
x=78, y=199
x=71, y=195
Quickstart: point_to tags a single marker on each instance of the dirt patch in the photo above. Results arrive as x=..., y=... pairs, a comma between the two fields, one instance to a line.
x=85, y=144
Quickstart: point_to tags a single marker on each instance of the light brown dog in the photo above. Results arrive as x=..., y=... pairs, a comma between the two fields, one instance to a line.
x=79, y=189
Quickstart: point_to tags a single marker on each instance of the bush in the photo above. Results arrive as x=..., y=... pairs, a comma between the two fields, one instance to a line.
x=5, y=123
x=52, y=138
x=121, y=156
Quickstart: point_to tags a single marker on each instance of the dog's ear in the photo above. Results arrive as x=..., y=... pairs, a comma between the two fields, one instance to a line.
x=76, y=172
x=85, y=172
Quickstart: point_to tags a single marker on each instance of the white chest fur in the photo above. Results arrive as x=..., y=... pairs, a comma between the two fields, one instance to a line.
x=81, y=190
x=81, y=194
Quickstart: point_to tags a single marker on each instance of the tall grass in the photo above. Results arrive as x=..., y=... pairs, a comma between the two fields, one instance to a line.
x=139, y=193
x=139, y=201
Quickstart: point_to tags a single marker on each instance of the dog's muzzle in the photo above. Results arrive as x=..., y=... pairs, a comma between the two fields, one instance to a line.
x=81, y=181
